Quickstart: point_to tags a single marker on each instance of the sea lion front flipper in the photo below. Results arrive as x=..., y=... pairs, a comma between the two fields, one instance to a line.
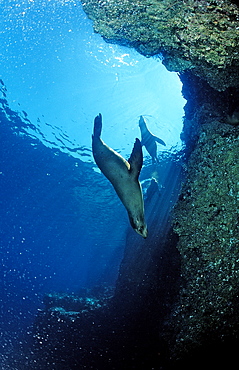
x=159, y=140
x=97, y=125
x=136, y=159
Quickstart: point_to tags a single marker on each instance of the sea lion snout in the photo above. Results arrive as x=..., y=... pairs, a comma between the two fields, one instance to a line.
x=143, y=231
x=123, y=175
x=141, y=121
x=149, y=140
x=138, y=224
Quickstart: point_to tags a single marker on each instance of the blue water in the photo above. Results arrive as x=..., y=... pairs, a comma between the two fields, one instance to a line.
x=62, y=227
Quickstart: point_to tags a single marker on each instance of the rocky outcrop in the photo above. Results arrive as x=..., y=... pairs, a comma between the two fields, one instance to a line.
x=206, y=220
x=198, y=39
x=176, y=298
x=201, y=36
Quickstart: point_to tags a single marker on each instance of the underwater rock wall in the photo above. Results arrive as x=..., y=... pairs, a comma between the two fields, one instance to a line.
x=198, y=35
x=206, y=220
x=199, y=39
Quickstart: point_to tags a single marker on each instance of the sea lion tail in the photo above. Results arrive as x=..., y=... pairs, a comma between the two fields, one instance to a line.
x=97, y=125
x=136, y=159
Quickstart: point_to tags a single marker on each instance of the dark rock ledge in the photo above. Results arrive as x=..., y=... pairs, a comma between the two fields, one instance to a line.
x=177, y=298
x=200, y=36
x=198, y=39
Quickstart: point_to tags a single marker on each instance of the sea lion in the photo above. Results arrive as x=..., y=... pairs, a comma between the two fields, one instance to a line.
x=123, y=175
x=233, y=119
x=149, y=140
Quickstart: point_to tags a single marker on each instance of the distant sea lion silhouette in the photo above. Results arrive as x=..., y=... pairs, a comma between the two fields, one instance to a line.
x=233, y=118
x=123, y=175
x=149, y=140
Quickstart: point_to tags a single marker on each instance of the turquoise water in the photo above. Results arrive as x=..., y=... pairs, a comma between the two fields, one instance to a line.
x=60, y=72
x=62, y=226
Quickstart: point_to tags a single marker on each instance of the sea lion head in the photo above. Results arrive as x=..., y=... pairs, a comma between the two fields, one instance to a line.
x=233, y=119
x=142, y=123
x=138, y=224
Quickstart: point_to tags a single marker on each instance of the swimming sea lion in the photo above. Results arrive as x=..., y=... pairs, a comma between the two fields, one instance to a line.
x=233, y=119
x=149, y=140
x=123, y=175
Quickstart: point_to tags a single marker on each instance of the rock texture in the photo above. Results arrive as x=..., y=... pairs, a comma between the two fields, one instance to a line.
x=206, y=220
x=176, y=299
x=198, y=35
x=198, y=39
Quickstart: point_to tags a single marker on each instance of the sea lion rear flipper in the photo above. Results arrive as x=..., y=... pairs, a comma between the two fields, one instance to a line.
x=97, y=125
x=142, y=142
x=159, y=140
x=136, y=159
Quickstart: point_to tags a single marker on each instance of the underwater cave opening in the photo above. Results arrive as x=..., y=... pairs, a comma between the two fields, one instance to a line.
x=59, y=74
x=59, y=227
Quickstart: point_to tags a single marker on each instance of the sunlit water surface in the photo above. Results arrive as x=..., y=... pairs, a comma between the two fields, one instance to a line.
x=62, y=225
x=62, y=74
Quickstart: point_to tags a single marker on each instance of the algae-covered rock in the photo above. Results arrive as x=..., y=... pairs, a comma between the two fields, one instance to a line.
x=199, y=39
x=206, y=220
x=198, y=35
